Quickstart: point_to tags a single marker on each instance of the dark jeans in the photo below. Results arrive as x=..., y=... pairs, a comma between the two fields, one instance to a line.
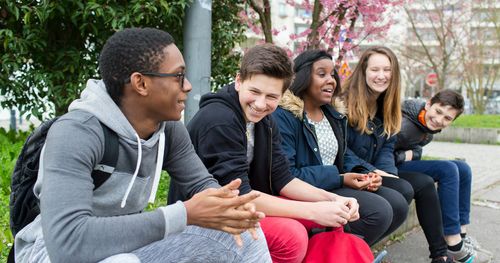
x=399, y=193
x=375, y=214
x=428, y=211
x=454, y=180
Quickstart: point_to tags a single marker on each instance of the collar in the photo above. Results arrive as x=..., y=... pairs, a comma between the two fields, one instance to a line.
x=421, y=117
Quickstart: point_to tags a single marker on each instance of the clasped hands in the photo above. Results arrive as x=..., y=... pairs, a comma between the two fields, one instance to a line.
x=336, y=212
x=370, y=181
x=222, y=209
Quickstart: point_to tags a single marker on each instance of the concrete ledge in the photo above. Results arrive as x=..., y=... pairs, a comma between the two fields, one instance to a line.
x=469, y=135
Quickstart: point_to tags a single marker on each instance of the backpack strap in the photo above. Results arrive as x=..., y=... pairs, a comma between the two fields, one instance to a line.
x=107, y=165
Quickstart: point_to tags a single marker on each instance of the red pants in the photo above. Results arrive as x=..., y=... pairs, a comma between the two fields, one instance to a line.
x=288, y=241
x=286, y=238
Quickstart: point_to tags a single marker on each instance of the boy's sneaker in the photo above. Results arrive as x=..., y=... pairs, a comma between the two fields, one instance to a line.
x=465, y=255
x=472, y=242
x=442, y=260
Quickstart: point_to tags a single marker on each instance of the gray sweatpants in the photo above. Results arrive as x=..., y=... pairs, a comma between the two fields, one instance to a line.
x=194, y=244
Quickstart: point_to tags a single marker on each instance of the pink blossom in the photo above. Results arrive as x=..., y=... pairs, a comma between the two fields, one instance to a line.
x=336, y=33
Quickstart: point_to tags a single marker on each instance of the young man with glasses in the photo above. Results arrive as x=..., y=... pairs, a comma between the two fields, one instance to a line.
x=140, y=98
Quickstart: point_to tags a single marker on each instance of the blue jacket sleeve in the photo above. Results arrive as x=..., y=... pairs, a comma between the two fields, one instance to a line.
x=352, y=162
x=322, y=176
x=385, y=157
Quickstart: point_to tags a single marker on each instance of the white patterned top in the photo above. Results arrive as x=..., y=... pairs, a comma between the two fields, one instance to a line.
x=250, y=141
x=327, y=142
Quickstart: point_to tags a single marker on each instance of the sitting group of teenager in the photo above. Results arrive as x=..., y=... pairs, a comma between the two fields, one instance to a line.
x=270, y=169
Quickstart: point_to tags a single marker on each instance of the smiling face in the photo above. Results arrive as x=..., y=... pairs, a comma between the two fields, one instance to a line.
x=167, y=98
x=378, y=73
x=259, y=96
x=439, y=116
x=323, y=83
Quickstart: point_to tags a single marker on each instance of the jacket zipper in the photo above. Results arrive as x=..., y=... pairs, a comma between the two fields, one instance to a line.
x=312, y=132
x=314, y=135
x=344, y=119
x=270, y=141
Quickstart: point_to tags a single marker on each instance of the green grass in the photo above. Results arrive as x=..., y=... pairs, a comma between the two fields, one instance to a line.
x=426, y=157
x=10, y=146
x=477, y=121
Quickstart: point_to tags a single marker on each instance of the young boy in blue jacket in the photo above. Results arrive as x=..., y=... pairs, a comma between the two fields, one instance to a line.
x=420, y=121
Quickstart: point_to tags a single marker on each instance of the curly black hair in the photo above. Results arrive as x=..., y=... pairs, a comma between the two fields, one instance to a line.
x=128, y=51
x=302, y=67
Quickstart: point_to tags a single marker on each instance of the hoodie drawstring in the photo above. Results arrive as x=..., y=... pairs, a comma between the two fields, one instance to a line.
x=159, y=164
x=139, y=159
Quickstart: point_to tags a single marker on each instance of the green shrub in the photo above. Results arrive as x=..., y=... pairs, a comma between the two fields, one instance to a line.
x=161, y=194
x=10, y=146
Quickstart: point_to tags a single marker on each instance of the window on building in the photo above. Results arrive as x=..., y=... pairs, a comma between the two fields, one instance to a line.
x=299, y=28
x=282, y=10
x=303, y=13
x=484, y=33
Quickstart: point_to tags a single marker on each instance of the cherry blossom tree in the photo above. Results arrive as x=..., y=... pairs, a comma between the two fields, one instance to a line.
x=335, y=25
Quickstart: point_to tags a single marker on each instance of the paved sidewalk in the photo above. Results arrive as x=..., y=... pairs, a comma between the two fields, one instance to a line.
x=485, y=211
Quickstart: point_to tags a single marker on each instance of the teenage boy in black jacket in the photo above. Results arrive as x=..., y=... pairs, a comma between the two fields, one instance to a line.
x=235, y=137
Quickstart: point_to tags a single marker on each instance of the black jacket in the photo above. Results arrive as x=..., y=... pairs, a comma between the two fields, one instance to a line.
x=218, y=135
x=413, y=135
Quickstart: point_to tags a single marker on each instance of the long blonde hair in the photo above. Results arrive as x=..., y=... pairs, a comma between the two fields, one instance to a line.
x=356, y=94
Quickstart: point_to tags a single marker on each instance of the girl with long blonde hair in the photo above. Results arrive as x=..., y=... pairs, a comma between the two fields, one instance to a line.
x=372, y=94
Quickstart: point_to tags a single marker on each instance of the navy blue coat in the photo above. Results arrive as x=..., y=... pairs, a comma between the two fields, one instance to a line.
x=367, y=152
x=300, y=143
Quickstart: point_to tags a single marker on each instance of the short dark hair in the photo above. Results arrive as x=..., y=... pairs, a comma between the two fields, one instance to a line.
x=302, y=66
x=269, y=60
x=128, y=51
x=448, y=97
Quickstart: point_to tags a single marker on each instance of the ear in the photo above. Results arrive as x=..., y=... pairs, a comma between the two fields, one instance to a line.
x=139, y=84
x=428, y=105
x=237, y=82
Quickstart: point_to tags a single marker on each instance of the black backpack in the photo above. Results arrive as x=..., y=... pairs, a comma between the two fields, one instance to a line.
x=24, y=205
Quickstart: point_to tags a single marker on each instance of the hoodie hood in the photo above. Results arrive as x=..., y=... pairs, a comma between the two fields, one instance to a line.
x=228, y=96
x=295, y=105
x=96, y=100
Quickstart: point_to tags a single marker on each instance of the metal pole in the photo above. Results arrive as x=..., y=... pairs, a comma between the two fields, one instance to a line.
x=197, y=52
x=13, y=120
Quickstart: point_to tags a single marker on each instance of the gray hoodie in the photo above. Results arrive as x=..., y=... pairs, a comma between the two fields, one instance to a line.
x=78, y=224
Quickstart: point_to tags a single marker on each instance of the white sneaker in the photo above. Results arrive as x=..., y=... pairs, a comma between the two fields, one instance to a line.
x=466, y=254
x=472, y=242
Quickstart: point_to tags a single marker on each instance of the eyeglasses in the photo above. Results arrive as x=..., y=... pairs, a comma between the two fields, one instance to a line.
x=180, y=76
